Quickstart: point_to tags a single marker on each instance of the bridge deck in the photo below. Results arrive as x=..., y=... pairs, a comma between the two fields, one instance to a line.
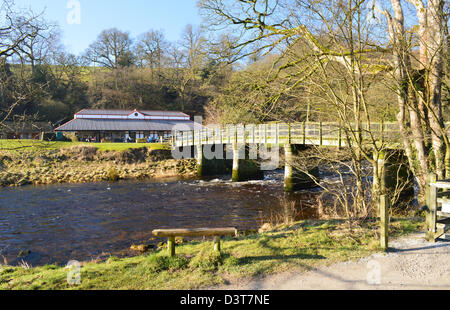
x=327, y=134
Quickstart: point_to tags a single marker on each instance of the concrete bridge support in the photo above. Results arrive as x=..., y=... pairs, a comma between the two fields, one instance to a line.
x=294, y=179
x=212, y=159
x=244, y=168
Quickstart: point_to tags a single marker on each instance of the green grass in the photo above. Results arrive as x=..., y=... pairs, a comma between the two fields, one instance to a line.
x=301, y=246
x=35, y=146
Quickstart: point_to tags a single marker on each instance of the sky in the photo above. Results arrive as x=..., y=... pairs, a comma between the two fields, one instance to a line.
x=134, y=16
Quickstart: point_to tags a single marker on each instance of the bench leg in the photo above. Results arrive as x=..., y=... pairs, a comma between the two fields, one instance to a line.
x=171, y=246
x=217, y=243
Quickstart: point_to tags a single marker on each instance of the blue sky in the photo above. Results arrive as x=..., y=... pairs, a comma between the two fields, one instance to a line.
x=134, y=16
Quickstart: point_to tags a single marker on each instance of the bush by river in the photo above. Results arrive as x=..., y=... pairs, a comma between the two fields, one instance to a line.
x=80, y=163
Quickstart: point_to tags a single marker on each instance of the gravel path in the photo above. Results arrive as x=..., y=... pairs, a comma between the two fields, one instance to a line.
x=413, y=263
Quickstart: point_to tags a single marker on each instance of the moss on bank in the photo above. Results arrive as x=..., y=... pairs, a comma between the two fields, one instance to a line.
x=303, y=245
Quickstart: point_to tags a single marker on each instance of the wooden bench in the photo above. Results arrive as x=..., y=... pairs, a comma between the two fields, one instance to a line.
x=217, y=233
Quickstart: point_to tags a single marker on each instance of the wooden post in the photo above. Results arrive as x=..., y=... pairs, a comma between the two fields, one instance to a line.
x=432, y=207
x=217, y=243
x=235, y=172
x=304, y=132
x=277, y=130
x=383, y=199
x=384, y=219
x=265, y=134
x=245, y=135
x=171, y=246
x=340, y=136
x=289, y=134
x=320, y=134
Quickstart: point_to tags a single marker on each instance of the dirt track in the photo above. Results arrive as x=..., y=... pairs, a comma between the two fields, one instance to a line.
x=412, y=263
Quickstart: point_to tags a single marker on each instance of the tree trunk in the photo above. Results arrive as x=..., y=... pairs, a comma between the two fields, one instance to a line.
x=435, y=40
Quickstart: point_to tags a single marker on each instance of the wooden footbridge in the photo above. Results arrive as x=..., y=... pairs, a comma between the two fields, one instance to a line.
x=286, y=135
x=309, y=133
x=306, y=133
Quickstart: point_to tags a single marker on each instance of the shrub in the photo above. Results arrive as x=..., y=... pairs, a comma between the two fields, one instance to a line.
x=72, y=137
x=113, y=174
x=4, y=160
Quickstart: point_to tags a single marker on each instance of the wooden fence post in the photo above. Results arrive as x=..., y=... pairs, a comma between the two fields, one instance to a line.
x=384, y=200
x=265, y=134
x=304, y=132
x=320, y=134
x=384, y=221
x=289, y=134
x=340, y=136
x=171, y=246
x=277, y=139
x=432, y=207
x=217, y=243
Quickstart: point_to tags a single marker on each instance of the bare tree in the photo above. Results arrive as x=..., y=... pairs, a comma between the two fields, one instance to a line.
x=112, y=49
x=41, y=40
x=15, y=29
x=342, y=36
x=151, y=49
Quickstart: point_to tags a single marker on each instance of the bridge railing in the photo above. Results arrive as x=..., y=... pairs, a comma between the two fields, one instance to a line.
x=313, y=133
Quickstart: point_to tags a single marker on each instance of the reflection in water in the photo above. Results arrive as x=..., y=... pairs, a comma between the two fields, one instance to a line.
x=57, y=223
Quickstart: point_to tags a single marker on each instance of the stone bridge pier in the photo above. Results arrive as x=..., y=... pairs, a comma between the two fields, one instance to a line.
x=217, y=159
x=295, y=178
x=243, y=162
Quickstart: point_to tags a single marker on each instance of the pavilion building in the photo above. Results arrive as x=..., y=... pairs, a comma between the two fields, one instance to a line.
x=127, y=125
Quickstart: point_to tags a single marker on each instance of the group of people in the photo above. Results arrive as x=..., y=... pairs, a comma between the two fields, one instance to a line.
x=150, y=139
x=91, y=139
x=128, y=139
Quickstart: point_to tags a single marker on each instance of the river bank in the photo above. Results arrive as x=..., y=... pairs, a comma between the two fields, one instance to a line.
x=303, y=245
x=82, y=164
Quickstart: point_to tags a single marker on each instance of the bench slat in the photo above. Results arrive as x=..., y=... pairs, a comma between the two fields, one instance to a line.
x=195, y=232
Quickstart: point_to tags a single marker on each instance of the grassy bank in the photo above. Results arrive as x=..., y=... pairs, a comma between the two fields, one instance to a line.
x=34, y=162
x=303, y=245
x=35, y=146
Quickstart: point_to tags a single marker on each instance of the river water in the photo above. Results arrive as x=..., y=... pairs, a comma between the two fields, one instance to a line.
x=57, y=223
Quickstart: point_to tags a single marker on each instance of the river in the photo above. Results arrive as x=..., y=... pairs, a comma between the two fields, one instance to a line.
x=57, y=223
